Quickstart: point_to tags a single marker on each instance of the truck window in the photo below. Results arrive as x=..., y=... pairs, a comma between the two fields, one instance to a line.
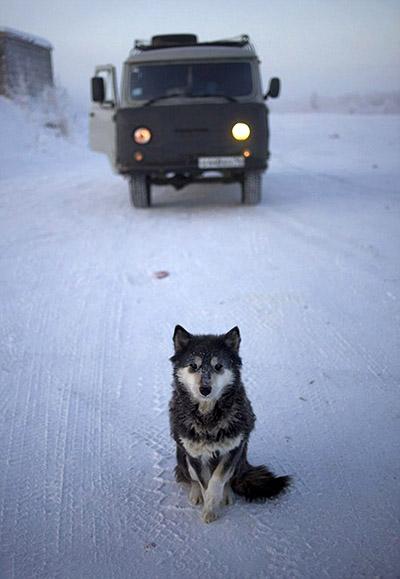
x=195, y=79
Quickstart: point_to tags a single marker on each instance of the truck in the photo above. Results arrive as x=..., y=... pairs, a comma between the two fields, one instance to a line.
x=188, y=111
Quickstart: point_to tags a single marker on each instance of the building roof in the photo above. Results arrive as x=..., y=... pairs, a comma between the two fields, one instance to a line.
x=25, y=37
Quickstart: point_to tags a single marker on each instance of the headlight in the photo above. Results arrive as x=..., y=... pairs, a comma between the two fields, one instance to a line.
x=142, y=135
x=241, y=131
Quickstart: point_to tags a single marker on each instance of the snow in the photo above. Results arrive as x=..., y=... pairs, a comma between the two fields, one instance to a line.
x=26, y=37
x=385, y=103
x=311, y=277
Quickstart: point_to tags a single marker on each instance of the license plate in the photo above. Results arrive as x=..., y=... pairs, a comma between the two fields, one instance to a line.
x=220, y=162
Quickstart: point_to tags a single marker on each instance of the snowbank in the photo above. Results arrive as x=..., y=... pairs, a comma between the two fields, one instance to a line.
x=39, y=131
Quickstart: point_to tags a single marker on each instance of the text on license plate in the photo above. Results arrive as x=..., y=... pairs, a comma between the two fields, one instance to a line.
x=220, y=162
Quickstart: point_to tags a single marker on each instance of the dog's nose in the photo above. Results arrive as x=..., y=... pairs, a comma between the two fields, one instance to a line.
x=205, y=390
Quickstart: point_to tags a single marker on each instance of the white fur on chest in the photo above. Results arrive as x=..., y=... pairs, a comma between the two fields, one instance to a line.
x=206, y=449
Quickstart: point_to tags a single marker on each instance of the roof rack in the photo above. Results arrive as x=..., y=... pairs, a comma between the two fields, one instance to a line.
x=143, y=45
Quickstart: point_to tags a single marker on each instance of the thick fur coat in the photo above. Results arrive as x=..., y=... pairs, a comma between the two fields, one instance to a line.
x=211, y=419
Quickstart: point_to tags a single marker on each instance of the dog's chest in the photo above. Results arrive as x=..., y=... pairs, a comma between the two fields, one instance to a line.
x=206, y=449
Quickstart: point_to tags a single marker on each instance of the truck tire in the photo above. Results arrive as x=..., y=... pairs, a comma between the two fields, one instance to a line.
x=139, y=189
x=251, y=188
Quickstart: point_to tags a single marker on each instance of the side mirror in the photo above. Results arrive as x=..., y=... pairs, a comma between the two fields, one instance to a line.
x=98, y=92
x=274, y=88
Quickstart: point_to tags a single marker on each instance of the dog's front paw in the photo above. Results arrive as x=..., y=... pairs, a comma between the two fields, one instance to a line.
x=209, y=516
x=229, y=497
x=195, y=495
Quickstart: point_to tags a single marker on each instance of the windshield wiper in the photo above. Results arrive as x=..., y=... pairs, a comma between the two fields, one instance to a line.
x=164, y=96
x=209, y=95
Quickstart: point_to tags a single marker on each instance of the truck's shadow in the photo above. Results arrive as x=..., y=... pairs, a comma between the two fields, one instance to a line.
x=198, y=196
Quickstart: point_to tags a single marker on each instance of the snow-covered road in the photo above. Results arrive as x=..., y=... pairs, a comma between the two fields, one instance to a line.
x=311, y=277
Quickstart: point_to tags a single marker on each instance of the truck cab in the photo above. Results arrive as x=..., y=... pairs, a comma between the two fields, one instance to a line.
x=188, y=111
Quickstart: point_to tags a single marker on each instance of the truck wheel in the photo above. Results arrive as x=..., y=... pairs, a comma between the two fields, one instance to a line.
x=251, y=188
x=139, y=189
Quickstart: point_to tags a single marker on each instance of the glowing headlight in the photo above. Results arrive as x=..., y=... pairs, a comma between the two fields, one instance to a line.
x=241, y=131
x=142, y=135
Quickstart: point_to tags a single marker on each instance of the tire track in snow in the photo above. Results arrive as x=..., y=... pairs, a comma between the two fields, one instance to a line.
x=169, y=527
x=309, y=322
x=338, y=483
x=265, y=320
x=26, y=492
x=344, y=249
x=172, y=526
x=342, y=344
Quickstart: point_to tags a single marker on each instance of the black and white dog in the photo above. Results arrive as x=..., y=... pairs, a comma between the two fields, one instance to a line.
x=211, y=420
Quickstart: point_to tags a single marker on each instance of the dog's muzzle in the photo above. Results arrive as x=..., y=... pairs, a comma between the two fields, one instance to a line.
x=205, y=390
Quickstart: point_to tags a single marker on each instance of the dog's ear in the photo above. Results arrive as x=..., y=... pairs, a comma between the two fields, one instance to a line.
x=181, y=338
x=232, y=339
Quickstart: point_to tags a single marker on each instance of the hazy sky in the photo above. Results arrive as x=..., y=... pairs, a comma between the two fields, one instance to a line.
x=326, y=46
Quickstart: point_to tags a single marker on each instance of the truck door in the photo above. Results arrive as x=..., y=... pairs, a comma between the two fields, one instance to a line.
x=102, y=126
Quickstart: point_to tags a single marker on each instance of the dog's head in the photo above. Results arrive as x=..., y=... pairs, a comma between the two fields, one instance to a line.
x=206, y=365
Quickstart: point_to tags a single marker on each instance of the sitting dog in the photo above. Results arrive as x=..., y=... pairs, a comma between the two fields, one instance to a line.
x=211, y=419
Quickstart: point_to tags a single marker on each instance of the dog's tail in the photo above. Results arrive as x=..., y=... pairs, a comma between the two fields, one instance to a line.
x=257, y=483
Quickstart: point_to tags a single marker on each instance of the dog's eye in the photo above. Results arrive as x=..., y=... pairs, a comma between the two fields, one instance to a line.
x=218, y=367
x=194, y=367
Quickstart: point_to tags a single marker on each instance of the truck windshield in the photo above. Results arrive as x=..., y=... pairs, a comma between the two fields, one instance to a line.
x=152, y=81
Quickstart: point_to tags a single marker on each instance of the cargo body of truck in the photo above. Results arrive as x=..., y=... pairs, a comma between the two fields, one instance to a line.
x=187, y=111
